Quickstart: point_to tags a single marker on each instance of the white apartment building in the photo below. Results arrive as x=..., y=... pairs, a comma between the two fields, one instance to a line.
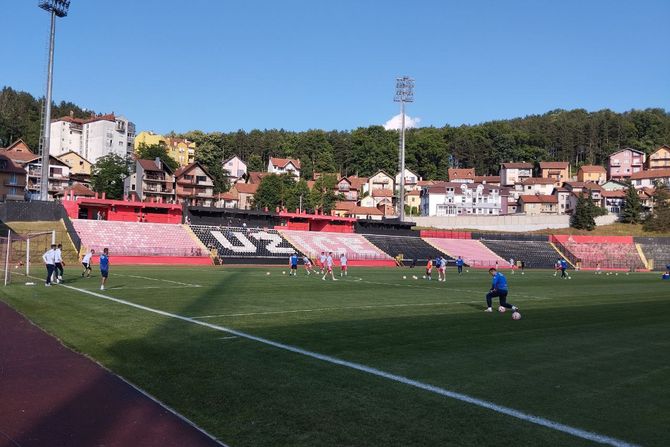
x=458, y=199
x=92, y=137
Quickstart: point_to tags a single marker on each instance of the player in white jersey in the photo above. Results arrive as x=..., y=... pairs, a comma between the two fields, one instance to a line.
x=442, y=269
x=322, y=261
x=86, y=262
x=308, y=265
x=58, y=266
x=329, y=267
x=343, y=265
x=49, y=259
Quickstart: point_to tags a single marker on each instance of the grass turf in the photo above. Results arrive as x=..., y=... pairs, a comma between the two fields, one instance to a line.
x=590, y=352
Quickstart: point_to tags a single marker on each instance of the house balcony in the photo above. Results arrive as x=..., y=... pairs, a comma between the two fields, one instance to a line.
x=14, y=183
x=194, y=183
x=156, y=179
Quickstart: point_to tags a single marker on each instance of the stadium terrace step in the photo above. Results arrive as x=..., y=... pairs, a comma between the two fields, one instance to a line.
x=656, y=250
x=409, y=247
x=473, y=252
x=534, y=254
x=133, y=239
x=615, y=252
x=357, y=248
x=245, y=245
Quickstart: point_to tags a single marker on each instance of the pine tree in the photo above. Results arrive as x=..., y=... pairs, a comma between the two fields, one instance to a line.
x=659, y=221
x=583, y=219
x=632, y=207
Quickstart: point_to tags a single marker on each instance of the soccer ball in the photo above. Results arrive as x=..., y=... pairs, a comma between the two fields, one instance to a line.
x=501, y=309
x=283, y=272
x=414, y=277
x=616, y=274
x=516, y=316
x=424, y=277
x=522, y=273
x=467, y=271
x=267, y=273
x=404, y=277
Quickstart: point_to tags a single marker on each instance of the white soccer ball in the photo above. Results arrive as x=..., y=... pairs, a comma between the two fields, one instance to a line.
x=283, y=272
x=516, y=316
x=267, y=273
x=467, y=271
x=616, y=274
x=569, y=277
x=501, y=309
x=404, y=277
x=627, y=273
x=414, y=277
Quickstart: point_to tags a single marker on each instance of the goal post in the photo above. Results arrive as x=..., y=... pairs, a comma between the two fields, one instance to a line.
x=21, y=253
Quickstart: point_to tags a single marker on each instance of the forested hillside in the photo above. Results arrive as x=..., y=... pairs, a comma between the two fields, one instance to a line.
x=576, y=136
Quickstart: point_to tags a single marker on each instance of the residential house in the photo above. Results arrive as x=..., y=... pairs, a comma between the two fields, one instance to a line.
x=284, y=166
x=80, y=168
x=558, y=171
x=12, y=180
x=194, y=185
x=613, y=185
x=59, y=177
x=411, y=180
x=78, y=190
x=511, y=173
x=235, y=168
x=381, y=180
x=18, y=152
x=92, y=137
x=592, y=173
x=455, y=199
x=538, y=204
x=245, y=194
x=588, y=189
x=536, y=185
x=660, y=158
x=255, y=177
x=148, y=138
x=345, y=189
x=487, y=179
x=343, y=208
x=613, y=200
x=625, y=162
x=413, y=201
x=229, y=199
x=363, y=212
x=459, y=175
x=380, y=198
x=152, y=181
x=647, y=179
x=181, y=150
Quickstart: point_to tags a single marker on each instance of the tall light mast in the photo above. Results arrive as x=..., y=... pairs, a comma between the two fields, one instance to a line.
x=404, y=92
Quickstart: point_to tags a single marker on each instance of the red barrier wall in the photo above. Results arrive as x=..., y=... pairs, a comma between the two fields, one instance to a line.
x=155, y=260
x=446, y=234
x=563, y=238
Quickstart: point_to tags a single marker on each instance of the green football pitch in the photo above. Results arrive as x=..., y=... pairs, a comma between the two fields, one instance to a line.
x=373, y=359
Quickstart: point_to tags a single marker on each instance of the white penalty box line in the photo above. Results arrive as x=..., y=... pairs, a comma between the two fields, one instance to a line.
x=537, y=420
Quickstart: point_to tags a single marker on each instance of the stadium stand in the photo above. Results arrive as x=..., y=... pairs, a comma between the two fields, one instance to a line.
x=656, y=250
x=473, y=252
x=70, y=253
x=235, y=245
x=358, y=250
x=606, y=252
x=534, y=254
x=142, y=242
x=409, y=247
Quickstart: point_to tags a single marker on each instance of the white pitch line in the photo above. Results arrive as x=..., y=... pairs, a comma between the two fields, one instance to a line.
x=577, y=432
x=326, y=309
x=159, y=279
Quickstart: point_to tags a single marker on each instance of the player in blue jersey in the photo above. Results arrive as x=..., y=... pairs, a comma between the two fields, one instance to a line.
x=293, y=260
x=104, y=267
x=564, y=267
x=459, y=265
x=498, y=289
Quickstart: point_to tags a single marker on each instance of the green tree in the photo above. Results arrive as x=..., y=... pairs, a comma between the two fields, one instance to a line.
x=272, y=191
x=108, y=174
x=255, y=163
x=323, y=195
x=211, y=157
x=154, y=151
x=293, y=194
x=659, y=221
x=632, y=207
x=582, y=219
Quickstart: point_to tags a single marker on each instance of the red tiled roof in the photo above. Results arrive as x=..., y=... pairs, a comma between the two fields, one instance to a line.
x=149, y=165
x=344, y=205
x=282, y=162
x=246, y=188
x=382, y=193
x=79, y=190
x=107, y=117
x=487, y=178
x=413, y=193
x=69, y=119
x=651, y=174
x=229, y=195
x=554, y=165
x=11, y=166
x=180, y=171
x=457, y=173
x=593, y=169
x=365, y=210
x=517, y=165
x=357, y=182
x=538, y=181
x=620, y=193
x=255, y=176
x=537, y=198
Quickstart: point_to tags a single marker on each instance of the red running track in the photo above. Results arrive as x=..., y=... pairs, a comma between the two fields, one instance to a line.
x=52, y=396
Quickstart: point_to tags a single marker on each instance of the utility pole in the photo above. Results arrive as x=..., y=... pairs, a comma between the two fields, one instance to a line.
x=404, y=92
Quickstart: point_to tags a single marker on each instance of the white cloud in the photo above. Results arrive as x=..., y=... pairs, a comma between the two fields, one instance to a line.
x=394, y=123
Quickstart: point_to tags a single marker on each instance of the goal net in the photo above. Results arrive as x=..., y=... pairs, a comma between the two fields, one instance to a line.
x=21, y=256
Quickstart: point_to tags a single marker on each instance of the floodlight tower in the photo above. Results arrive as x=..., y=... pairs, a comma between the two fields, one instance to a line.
x=56, y=8
x=404, y=92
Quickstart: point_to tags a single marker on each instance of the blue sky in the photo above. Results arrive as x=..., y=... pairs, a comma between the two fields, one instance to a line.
x=301, y=64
